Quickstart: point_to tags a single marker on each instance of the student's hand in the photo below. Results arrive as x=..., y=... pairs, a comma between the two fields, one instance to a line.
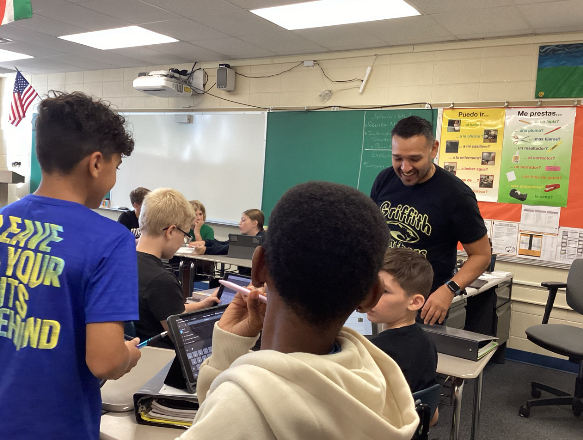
x=200, y=250
x=244, y=316
x=135, y=353
x=198, y=224
x=195, y=244
x=262, y=290
x=210, y=301
x=437, y=305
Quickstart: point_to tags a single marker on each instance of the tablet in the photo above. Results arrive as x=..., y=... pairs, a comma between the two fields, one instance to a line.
x=226, y=294
x=192, y=334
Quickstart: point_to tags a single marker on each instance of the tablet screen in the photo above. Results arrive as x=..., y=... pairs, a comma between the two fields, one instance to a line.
x=227, y=294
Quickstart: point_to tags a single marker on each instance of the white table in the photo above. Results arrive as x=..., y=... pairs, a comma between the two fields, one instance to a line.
x=118, y=395
x=460, y=370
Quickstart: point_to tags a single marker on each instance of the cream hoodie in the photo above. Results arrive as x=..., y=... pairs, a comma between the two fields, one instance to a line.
x=358, y=393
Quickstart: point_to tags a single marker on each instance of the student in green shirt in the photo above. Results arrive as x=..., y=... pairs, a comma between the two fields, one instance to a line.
x=199, y=230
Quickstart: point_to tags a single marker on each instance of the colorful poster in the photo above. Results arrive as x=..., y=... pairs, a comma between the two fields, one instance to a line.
x=560, y=71
x=471, y=147
x=536, y=159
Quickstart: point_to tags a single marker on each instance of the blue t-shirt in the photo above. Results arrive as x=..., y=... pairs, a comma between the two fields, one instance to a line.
x=62, y=266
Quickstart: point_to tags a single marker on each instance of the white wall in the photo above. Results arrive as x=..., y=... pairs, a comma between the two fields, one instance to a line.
x=462, y=72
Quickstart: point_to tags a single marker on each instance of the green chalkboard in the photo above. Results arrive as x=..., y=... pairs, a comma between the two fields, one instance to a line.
x=349, y=147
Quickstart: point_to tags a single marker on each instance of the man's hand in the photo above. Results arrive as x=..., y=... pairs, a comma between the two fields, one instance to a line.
x=437, y=305
x=244, y=316
x=135, y=353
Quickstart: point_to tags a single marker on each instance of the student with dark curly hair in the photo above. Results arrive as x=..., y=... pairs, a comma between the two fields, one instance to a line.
x=69, y=278
x=312, y=378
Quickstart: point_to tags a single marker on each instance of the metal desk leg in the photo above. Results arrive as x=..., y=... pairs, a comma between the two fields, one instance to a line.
x=191, y=280
x=458, y=389
x=477, y=405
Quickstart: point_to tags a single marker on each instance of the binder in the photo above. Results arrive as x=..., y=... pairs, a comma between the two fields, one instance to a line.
x=150, y=394
x=460, y=343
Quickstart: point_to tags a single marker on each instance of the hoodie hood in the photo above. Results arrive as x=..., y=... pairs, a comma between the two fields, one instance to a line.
x=357, y=393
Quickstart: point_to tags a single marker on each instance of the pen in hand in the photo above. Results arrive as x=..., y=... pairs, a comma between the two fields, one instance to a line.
x=155, y=338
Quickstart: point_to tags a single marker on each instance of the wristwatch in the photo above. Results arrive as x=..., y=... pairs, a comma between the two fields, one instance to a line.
x=454, y=287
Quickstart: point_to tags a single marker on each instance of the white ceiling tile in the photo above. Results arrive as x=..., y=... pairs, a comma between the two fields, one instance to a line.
x=235, y=48
x=239, y=23
x=195, y=9
x=30, y=49
x=440, y=6
x=507, y=33
x=18, y=34
x=258, y=4
x=5, y=70
x=26, y=71
x=283, y=43
x=339, y=36
x=134, y=11
x=189, y=52
x=44, y=64
x=64, y=46
x=407, y=30
x=492, y=20
x=48, y=26
x=151, y=56
x=116, y=59
x=185, y=30
x=524, y=2
x=556, y=14
x=82, y=17
x=84, y=63
x=39, y=5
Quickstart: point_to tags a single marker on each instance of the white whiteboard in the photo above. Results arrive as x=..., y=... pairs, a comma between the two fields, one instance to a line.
x=217, y=159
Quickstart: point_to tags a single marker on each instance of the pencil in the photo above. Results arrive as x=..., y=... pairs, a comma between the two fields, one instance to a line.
x=554, y=129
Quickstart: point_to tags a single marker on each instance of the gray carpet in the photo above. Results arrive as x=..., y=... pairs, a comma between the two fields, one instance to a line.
x=505, y=388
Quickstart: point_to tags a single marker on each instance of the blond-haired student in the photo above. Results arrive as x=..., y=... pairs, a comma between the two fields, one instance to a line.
x=165, y=217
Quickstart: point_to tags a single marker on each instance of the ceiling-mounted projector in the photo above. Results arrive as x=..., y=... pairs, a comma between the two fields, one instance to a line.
x=172, y=83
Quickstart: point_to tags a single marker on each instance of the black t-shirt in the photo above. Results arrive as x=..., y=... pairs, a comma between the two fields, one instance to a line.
x=430, y=217
x=130, y=221
x=160, y=296
x=415, y=353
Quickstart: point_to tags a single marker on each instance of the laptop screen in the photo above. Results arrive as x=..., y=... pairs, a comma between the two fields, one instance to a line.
x=196, y=332
x=228, y=294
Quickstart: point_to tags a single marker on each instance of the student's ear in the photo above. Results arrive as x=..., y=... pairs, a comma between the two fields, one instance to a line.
x=373, y=296
x=416, y=302
x=168, y=232
x=258, y=268
x=95, y=163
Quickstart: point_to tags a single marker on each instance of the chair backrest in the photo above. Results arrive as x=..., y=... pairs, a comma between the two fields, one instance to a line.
x=429, y=396
x=575, y=286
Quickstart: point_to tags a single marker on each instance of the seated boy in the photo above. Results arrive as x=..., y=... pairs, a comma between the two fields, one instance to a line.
x=407, y=278
x=164, y=219
x=130, y=218
x=312, y=378
x=70, y=278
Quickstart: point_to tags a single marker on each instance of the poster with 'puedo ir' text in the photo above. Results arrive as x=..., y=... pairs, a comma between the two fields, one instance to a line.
x=471, y=147
x=536, y=158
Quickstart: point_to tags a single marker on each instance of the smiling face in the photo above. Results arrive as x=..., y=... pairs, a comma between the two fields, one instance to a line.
x=413, y=159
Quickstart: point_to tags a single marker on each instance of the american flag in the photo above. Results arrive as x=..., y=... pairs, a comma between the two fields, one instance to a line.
x=22, y=96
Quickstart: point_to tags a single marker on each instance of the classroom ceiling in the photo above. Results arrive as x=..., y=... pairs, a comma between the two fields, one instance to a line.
x=219, y=30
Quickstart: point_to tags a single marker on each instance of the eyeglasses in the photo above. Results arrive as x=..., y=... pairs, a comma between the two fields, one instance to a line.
x=187, y=238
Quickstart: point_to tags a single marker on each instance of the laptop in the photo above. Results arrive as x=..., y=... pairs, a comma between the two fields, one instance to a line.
x=243, y=246
x=192, y=334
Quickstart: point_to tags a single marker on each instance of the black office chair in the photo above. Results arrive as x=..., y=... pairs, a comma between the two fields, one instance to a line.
x=562, y=339
x=426, y=402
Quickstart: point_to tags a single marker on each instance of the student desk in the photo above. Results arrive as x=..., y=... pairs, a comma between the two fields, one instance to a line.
x=187, y=275
x=460, y=370
x=119, y=394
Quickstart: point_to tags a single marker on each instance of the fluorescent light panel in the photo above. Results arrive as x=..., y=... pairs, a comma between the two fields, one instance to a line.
x=7, y=55
x=130, y=36
x=334, y=12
